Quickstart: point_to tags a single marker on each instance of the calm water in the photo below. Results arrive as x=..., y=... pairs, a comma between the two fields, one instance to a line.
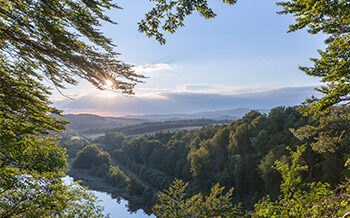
x=112, y=207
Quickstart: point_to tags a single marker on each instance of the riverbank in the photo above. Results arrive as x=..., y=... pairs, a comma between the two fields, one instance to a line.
x=113, y=207
x=95, y=182
x=100, y=184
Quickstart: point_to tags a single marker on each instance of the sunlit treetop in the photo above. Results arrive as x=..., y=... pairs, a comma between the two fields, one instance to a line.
x=61, y=40
x=332, y=18
x=331, y=106
x=326, y=16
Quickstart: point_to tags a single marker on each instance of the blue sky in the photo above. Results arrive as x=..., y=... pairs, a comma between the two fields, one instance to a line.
x=244, y=50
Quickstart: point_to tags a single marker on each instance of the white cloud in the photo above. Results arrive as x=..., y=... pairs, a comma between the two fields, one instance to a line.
x=153, y=67
x=201, y=88
x=220, y=89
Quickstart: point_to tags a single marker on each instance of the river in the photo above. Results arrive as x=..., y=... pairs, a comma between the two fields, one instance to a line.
x=112, y=207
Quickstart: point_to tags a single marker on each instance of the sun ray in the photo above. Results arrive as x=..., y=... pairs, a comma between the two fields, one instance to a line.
x=108, y=83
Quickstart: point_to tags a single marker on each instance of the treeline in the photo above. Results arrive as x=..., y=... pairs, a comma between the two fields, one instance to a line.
x=240, y=154
x=84, y=122
x=150, y=127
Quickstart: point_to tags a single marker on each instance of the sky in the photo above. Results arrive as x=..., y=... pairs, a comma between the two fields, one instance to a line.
x=242, y=58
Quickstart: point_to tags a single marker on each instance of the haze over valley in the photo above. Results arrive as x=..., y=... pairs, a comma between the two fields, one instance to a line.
x=174, y=108
x=183, y=103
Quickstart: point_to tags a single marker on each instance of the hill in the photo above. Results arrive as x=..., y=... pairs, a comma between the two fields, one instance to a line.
x=232, y=114
x=82, y=122
x=92, y=126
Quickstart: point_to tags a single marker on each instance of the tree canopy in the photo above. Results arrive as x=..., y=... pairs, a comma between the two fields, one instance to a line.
x=297, y=199
x=257, y=155
x=61, y=40
x=330, y=108
x=172, y=203
x=168, y=16
x=333, y=19
x=56, y=41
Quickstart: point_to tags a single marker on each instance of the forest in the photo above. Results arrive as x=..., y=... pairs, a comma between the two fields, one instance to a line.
x=290, y=162
x=151, y=127
x=241, y=154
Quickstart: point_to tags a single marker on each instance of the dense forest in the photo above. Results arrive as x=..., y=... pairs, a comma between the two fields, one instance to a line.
x=88, y=125
x=288, y=163
x=152, y=127
x=240, y=154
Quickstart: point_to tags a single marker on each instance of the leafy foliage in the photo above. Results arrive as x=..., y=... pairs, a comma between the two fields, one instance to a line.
x=241, y=154
x=31, y=161
x=332, y=68
x=170, y=15
x=114, y=138
x=60, y=40
x=135, y=187
x=327, y=16
x=238, y=155
x=329, y=132
x=90, y=156
x=46, y=195
x=331, y=18
x=299, y=199
x=172, y=203
x=72, y=145
x=56, y=41
x=50, y=39
x=99, y=163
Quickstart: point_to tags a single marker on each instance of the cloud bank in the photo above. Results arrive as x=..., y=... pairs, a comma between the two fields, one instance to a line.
x=153, y=67
x=183, y=102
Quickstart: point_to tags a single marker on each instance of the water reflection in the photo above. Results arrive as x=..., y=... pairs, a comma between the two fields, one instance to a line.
x=114, y=208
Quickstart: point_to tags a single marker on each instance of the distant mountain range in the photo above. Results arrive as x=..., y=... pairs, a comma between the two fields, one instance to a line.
x=81, y=122
x=231, y=114
x=178, y=104
x=90, y=124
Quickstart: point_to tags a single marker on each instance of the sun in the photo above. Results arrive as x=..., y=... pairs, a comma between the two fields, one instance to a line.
x=108, y=83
